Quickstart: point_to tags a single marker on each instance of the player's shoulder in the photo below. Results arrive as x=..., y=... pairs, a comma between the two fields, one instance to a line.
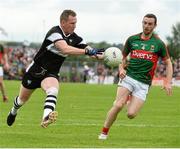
x=1, y=47
x=75, y=36
x=55, y=29
x=158, y=39
x=156, y=36
x=134, y=37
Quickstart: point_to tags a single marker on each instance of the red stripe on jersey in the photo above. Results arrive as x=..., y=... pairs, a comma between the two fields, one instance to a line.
x=147, y=55
x=1, y=55
x=1, y=58
x=142, y=54
x=151, y=73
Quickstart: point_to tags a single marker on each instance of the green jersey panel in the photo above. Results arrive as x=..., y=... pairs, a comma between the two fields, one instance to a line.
x=1, y=48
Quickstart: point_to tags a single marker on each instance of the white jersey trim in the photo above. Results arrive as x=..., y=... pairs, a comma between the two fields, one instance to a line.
x=53, y=49
x=55, y=36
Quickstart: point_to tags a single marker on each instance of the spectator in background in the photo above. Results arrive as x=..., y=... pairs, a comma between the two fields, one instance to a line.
x=73, y=74
x=101, y=73
x=86, y=72
x=3, y=64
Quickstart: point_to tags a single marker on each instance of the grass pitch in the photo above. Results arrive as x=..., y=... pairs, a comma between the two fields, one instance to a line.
x=82, y=110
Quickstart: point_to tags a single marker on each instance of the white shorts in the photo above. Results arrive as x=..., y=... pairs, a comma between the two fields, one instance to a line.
x=1, y=71
x=137, y=88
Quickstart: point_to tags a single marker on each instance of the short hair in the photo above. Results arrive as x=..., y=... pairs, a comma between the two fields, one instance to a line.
x=66, y=13
x=150, y=15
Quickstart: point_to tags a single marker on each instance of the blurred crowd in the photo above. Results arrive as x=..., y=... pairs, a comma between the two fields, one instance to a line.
x=160, y=71
x=21, y=57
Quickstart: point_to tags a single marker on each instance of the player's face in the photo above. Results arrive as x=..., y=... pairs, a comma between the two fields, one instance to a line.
x=148, y=25
x=69, y=25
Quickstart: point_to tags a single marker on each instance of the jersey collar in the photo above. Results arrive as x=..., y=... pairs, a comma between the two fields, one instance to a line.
x=64, y=33
x=145, y=38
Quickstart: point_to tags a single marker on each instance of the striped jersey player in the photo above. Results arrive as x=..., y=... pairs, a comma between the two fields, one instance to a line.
x=43, y=72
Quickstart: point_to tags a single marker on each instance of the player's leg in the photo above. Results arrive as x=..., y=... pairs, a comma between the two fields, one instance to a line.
x=128, y=100
x=134, y=106
x=138, y=98
x=24, y=95
x=5, y=99
x=122, y=94
x=121, y=97
x=51, y=86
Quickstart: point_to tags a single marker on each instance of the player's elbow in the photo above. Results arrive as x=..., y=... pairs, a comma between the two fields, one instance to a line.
x=64, y=50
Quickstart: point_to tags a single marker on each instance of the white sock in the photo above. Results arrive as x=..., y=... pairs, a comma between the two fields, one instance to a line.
x=46, y=112
x=50, y=102
x=17, y=104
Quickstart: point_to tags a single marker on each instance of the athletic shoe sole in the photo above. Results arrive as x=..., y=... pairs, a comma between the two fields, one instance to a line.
x=52, y=117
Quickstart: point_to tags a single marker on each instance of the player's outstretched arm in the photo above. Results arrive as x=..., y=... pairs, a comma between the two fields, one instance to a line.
x=67, y=49
x=70, y=50
x=167, y=86
x=6, y=63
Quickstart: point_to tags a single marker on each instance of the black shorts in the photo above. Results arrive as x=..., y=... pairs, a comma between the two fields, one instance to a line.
x=34, y=75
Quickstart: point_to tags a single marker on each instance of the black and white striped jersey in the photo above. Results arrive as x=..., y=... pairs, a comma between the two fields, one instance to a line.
x=51, y=58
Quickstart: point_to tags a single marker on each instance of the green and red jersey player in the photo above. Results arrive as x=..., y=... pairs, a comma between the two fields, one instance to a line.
x=144, y=55
x=136, y=75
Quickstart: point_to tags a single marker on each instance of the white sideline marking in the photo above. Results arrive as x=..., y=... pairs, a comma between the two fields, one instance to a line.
x=125, y=125
x=95, y=124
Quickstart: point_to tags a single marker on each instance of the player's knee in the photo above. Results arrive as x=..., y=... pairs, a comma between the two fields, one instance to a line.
x=118, y=105
x=52, y=91
x=131, y=114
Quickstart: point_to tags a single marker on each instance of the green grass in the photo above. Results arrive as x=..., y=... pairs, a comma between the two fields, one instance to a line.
x=82, y=109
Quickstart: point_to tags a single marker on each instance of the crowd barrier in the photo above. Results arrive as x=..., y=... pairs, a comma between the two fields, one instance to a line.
x=159, y=81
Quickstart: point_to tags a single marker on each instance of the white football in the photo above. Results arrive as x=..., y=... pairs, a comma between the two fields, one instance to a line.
x=113, y=56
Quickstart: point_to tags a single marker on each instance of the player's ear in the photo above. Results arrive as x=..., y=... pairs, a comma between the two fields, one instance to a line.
x=155, y=26
x=62, y=22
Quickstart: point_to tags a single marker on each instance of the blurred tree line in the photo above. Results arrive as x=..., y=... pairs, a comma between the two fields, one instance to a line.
x=174, y=42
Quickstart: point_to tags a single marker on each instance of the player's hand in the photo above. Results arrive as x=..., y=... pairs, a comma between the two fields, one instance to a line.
x=168, y=88
x=6, y=67
x=122, y=73
x=98, y=56
x=94, y=52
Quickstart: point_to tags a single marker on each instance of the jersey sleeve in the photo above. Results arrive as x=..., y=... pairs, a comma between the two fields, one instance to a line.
x=55, y=37
x=164, y=53
x=1, y=48
x=126, y=48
